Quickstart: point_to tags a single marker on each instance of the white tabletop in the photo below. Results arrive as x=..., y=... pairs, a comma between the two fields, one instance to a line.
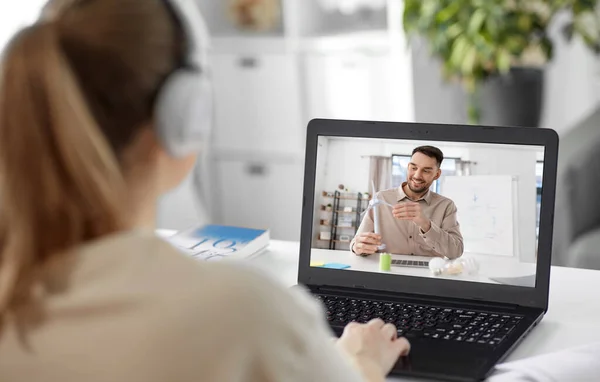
x=572, y=317
x=490, y=267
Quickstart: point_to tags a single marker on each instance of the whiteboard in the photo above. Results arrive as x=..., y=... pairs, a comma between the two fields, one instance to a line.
x=486, y=212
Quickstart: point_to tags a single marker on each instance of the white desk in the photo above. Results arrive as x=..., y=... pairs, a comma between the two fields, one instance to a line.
x=489, y=266
x=573, y=313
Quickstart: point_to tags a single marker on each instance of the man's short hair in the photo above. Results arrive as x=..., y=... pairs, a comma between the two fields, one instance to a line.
x=432, y=152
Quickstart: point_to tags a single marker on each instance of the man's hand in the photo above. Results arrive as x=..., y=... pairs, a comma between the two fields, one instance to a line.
x=366, y=243
x=412, y=211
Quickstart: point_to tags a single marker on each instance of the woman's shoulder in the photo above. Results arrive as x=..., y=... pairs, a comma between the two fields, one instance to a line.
x=232, y=312
x=156, y=267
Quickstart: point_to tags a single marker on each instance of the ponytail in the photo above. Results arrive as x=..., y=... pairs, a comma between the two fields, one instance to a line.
x=60, y=182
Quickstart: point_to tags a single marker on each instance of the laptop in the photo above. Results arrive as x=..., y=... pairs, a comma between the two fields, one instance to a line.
x=491, y=213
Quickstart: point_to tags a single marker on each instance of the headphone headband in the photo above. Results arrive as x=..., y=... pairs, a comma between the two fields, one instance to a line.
x=195, y=30
x=184, y=103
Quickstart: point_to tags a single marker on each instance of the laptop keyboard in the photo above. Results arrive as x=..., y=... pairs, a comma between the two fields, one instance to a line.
x=410, y=263
x=423, y=321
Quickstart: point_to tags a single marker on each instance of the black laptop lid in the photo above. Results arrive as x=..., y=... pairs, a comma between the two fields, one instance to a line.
x=499, y=182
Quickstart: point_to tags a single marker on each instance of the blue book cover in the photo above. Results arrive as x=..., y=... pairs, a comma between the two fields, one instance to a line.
x=217, y=242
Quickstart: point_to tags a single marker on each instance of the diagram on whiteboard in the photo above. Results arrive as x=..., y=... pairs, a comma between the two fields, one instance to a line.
x=485, y=212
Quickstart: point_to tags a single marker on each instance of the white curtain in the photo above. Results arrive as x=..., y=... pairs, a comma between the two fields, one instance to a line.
x=380, y=173
x=464, y=168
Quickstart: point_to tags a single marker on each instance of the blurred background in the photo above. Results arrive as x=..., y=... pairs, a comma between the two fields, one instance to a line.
x=277, y=64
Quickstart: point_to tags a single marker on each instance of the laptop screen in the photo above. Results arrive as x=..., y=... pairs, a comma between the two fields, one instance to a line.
x=460, y=211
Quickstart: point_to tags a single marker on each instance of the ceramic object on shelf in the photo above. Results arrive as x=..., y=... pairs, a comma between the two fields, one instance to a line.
x=255, y=15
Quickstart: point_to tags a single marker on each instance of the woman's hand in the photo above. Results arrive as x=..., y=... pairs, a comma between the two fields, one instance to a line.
x=373, y=347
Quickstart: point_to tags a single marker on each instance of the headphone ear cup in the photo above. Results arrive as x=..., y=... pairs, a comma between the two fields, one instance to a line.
x=183, y=113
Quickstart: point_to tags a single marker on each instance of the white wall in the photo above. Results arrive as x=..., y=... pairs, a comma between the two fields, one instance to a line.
x=572, y=82
x=348, y=159
x=347, y=162
x=358, y=85
x=15, y=15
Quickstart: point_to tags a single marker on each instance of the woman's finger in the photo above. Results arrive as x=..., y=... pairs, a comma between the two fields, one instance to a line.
x=402, y=346
x=390, y=331
x=376, y=322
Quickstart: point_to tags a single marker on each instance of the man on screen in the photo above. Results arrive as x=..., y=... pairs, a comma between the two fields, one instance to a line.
x=422, y=222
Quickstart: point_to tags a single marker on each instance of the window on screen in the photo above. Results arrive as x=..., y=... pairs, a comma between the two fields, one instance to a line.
x=472, y=206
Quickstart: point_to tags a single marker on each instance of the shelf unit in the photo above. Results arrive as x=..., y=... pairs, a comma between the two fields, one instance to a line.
x=335, y=241
x=337, y=210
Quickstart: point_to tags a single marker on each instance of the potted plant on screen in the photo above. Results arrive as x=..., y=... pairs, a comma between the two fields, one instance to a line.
x=497, y=49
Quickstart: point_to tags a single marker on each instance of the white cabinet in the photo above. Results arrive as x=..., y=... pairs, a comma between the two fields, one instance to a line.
x=358, y=85
x=257, y=103
x=338, y=86
x=268, y=85
x=262, y=194
x=258, y=141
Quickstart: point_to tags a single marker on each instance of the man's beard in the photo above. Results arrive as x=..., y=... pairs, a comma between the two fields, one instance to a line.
x=419, y=190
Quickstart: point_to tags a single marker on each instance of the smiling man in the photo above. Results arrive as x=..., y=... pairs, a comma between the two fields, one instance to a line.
x=422, y=222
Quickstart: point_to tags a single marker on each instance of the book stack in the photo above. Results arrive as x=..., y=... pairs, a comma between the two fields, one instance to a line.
x=217, y=242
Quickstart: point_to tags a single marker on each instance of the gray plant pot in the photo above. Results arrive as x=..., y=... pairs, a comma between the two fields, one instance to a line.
x=514, y=99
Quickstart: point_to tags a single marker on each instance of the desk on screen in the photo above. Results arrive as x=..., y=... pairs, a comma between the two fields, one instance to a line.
x=489, y=266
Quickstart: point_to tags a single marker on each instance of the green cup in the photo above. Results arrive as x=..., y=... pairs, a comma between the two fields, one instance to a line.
x=385, y=262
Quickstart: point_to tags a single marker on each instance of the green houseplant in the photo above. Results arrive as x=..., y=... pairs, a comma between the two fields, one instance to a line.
x=478, y=40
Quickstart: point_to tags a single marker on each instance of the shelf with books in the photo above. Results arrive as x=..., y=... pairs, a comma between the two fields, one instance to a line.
x=326, y=209
x=344, y=197
x=343, y=216
x=337, y=240
x=347, y=195
x=338, y=226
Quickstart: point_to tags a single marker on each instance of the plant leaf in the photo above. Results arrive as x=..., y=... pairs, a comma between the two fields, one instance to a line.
x=547, y=47
x=524, y=22
x=477, y=21
x=474, y=114
x=503, y=62
x=447, y=13
x=454, y=31
x=458, y=51
x=516, y=44
x=492, y=27
x=468, y=63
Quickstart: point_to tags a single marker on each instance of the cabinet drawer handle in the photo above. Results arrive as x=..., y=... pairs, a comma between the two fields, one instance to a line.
x=256, y=169
x=248, y=62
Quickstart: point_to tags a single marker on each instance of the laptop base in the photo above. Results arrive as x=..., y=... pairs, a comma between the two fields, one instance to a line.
x=457, y=348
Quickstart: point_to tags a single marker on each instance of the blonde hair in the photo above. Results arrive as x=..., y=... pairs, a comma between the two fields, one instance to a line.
x=75, y=89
